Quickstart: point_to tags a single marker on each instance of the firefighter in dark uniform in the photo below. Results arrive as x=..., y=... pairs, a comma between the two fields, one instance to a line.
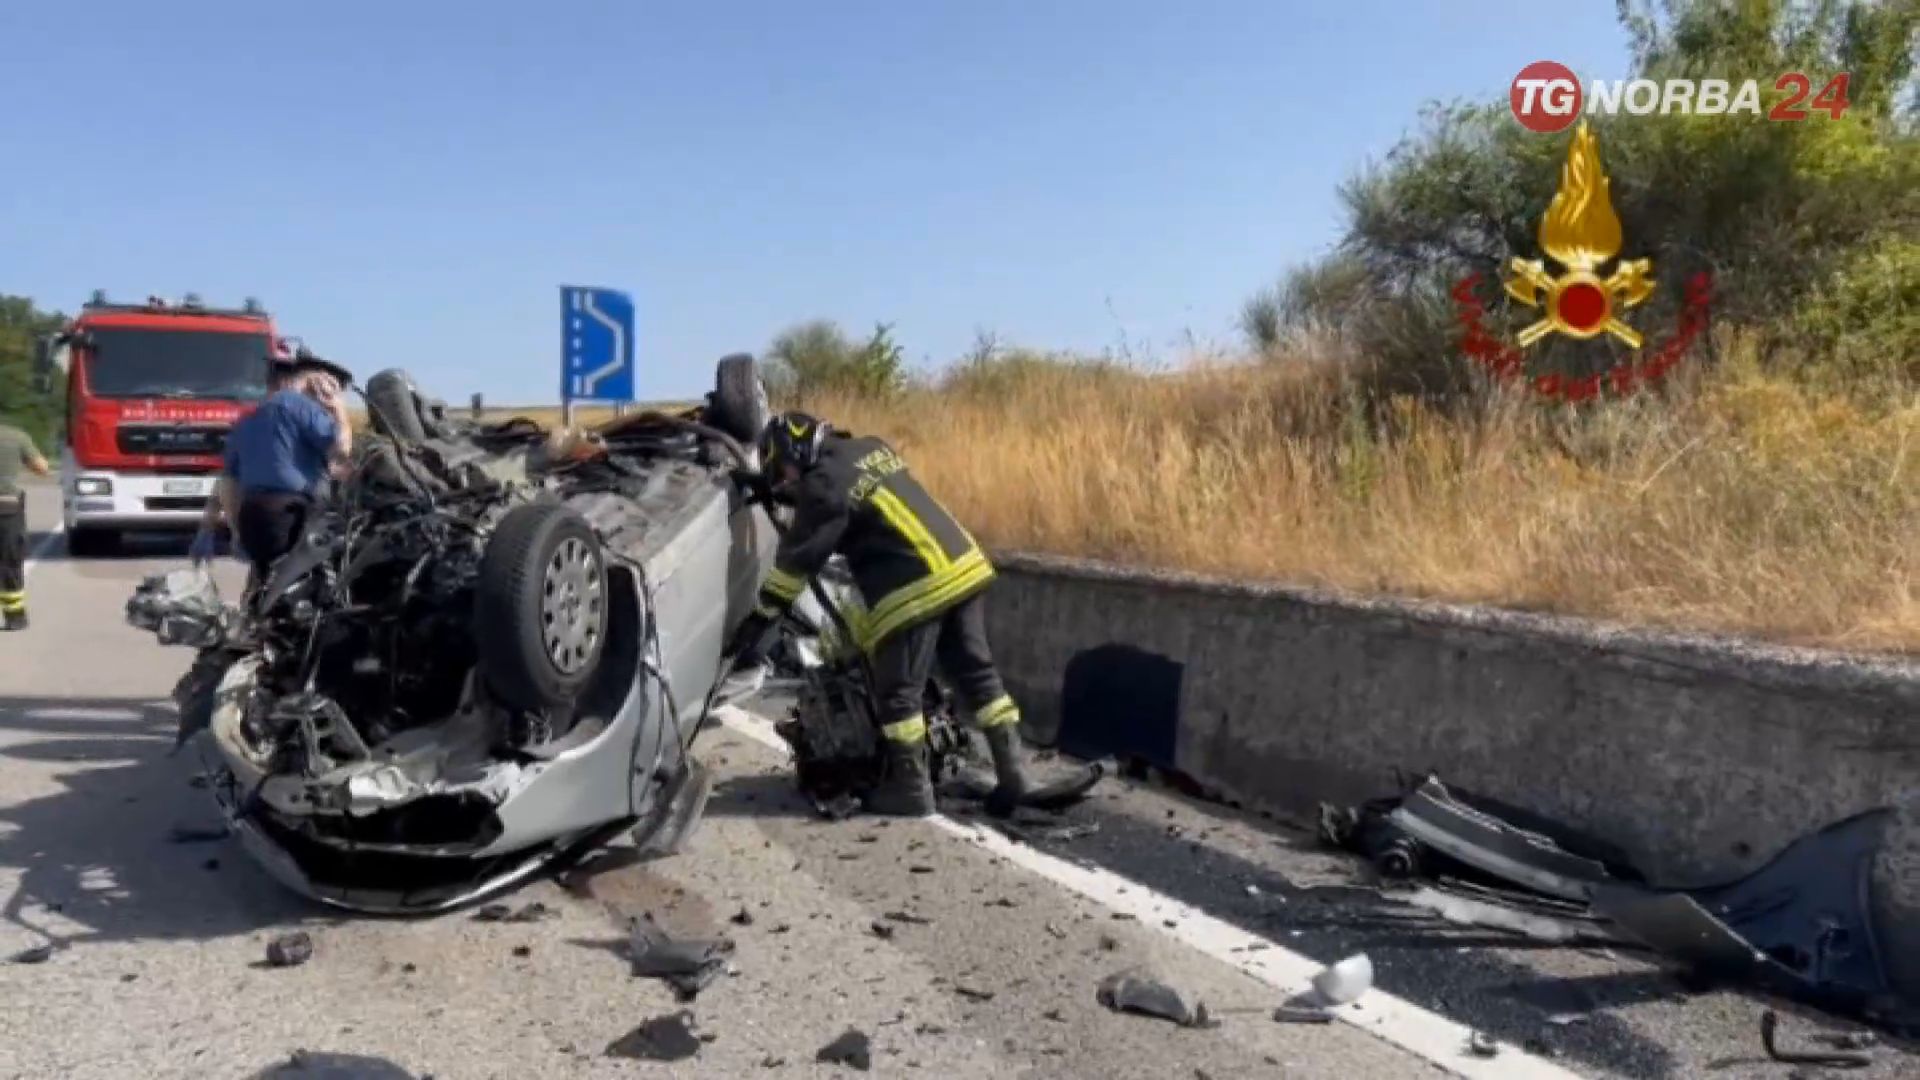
x=17, y=455
x=920, y=574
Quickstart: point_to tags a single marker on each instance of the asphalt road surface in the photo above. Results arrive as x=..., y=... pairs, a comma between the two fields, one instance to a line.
x=158, y=945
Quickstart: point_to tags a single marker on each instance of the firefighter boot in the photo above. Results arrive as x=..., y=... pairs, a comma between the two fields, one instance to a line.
x=1010, y=781
x=906, y=783
x=14, y=620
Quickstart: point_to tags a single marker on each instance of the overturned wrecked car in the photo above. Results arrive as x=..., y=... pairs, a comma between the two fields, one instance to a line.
x=488, y=653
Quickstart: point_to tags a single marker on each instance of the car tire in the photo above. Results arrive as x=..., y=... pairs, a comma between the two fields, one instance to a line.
x=540, y=607
x=739, y=403
x=393, y=407
x=92, y=543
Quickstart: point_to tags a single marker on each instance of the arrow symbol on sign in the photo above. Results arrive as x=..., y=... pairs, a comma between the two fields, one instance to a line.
x=591, y=380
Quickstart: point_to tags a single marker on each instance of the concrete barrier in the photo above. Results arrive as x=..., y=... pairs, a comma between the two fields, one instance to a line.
x=1700, y=758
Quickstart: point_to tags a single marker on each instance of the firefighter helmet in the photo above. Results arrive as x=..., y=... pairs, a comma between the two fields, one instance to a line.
x=792, y=438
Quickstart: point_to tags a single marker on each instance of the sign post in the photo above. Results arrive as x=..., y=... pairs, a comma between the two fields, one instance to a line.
x=596, y=347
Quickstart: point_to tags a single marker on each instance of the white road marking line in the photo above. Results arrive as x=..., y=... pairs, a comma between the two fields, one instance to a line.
x=1426, y=1035
x=82, y=713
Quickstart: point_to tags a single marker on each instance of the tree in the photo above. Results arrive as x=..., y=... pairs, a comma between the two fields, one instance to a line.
x=22, y=401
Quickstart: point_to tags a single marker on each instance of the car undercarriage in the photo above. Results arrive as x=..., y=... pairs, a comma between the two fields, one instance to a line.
x=488, y=649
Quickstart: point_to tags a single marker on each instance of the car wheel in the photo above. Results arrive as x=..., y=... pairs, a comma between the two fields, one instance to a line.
x=739, y=403
x=540, y=606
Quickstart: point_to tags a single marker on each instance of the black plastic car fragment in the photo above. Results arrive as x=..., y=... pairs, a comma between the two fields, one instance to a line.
x=1435, y=818
x=1801, y=925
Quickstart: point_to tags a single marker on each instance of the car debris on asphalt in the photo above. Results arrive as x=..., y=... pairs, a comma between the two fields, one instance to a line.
x=501, y=913
x=38, y=954
x=1800, y=926
x=290, y=950
x=1303, y=1014
x=1482, y=1045
x=973, y=993
x=1838, y=1059
x=1461, y=905
x=1132, y=991
x=688, y=965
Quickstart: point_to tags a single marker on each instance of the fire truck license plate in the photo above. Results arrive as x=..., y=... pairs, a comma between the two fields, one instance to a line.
x=181, y=487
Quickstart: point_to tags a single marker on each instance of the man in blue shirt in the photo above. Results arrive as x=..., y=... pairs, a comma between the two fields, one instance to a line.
x=280, y=455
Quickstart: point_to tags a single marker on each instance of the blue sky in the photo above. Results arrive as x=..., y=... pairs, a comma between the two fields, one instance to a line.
x=409, y=182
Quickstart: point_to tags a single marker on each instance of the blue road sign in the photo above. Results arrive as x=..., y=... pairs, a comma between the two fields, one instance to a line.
x=596, y=345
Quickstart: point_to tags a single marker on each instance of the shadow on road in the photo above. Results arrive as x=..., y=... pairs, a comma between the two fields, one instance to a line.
x=764, y=795
x=131, y=547
x=95, y=856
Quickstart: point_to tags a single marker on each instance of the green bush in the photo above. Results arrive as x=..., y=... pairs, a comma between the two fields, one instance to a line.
x=818, y=357
x=1864, y=319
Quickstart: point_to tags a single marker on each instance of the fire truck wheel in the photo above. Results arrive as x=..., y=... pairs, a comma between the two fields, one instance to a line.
x=540, y=606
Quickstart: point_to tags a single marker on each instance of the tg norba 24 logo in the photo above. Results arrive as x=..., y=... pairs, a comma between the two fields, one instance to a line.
x=1547, y=98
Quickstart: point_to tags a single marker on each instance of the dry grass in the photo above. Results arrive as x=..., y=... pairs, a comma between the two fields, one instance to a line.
x=1741, y=503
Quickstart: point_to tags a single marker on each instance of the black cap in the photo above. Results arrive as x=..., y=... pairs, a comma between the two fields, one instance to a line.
x=304, y=361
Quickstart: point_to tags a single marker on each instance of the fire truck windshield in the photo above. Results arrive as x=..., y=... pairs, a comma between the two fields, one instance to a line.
x=130, y=363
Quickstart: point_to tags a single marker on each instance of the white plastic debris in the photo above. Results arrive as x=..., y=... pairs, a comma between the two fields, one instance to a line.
x=1343, y=983
x=1136, y=992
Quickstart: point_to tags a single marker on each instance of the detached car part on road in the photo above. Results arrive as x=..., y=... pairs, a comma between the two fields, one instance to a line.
x=488, y=652
x=1801, y=926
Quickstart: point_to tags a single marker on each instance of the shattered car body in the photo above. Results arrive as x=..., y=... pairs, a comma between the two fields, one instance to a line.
x=1801, y=926
x=487, y=653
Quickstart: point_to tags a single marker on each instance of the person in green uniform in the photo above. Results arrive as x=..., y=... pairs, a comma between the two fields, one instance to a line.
x=17, y=455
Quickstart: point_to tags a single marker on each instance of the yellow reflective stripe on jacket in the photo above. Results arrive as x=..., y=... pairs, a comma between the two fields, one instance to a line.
x=911, y=603
x=908, y=525
x=884, y=616
x=783, y=586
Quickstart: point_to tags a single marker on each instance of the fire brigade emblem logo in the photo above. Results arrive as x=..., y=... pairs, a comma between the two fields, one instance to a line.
x=1581, y=235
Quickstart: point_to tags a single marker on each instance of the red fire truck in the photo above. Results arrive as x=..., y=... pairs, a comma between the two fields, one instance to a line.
x=151, y=391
